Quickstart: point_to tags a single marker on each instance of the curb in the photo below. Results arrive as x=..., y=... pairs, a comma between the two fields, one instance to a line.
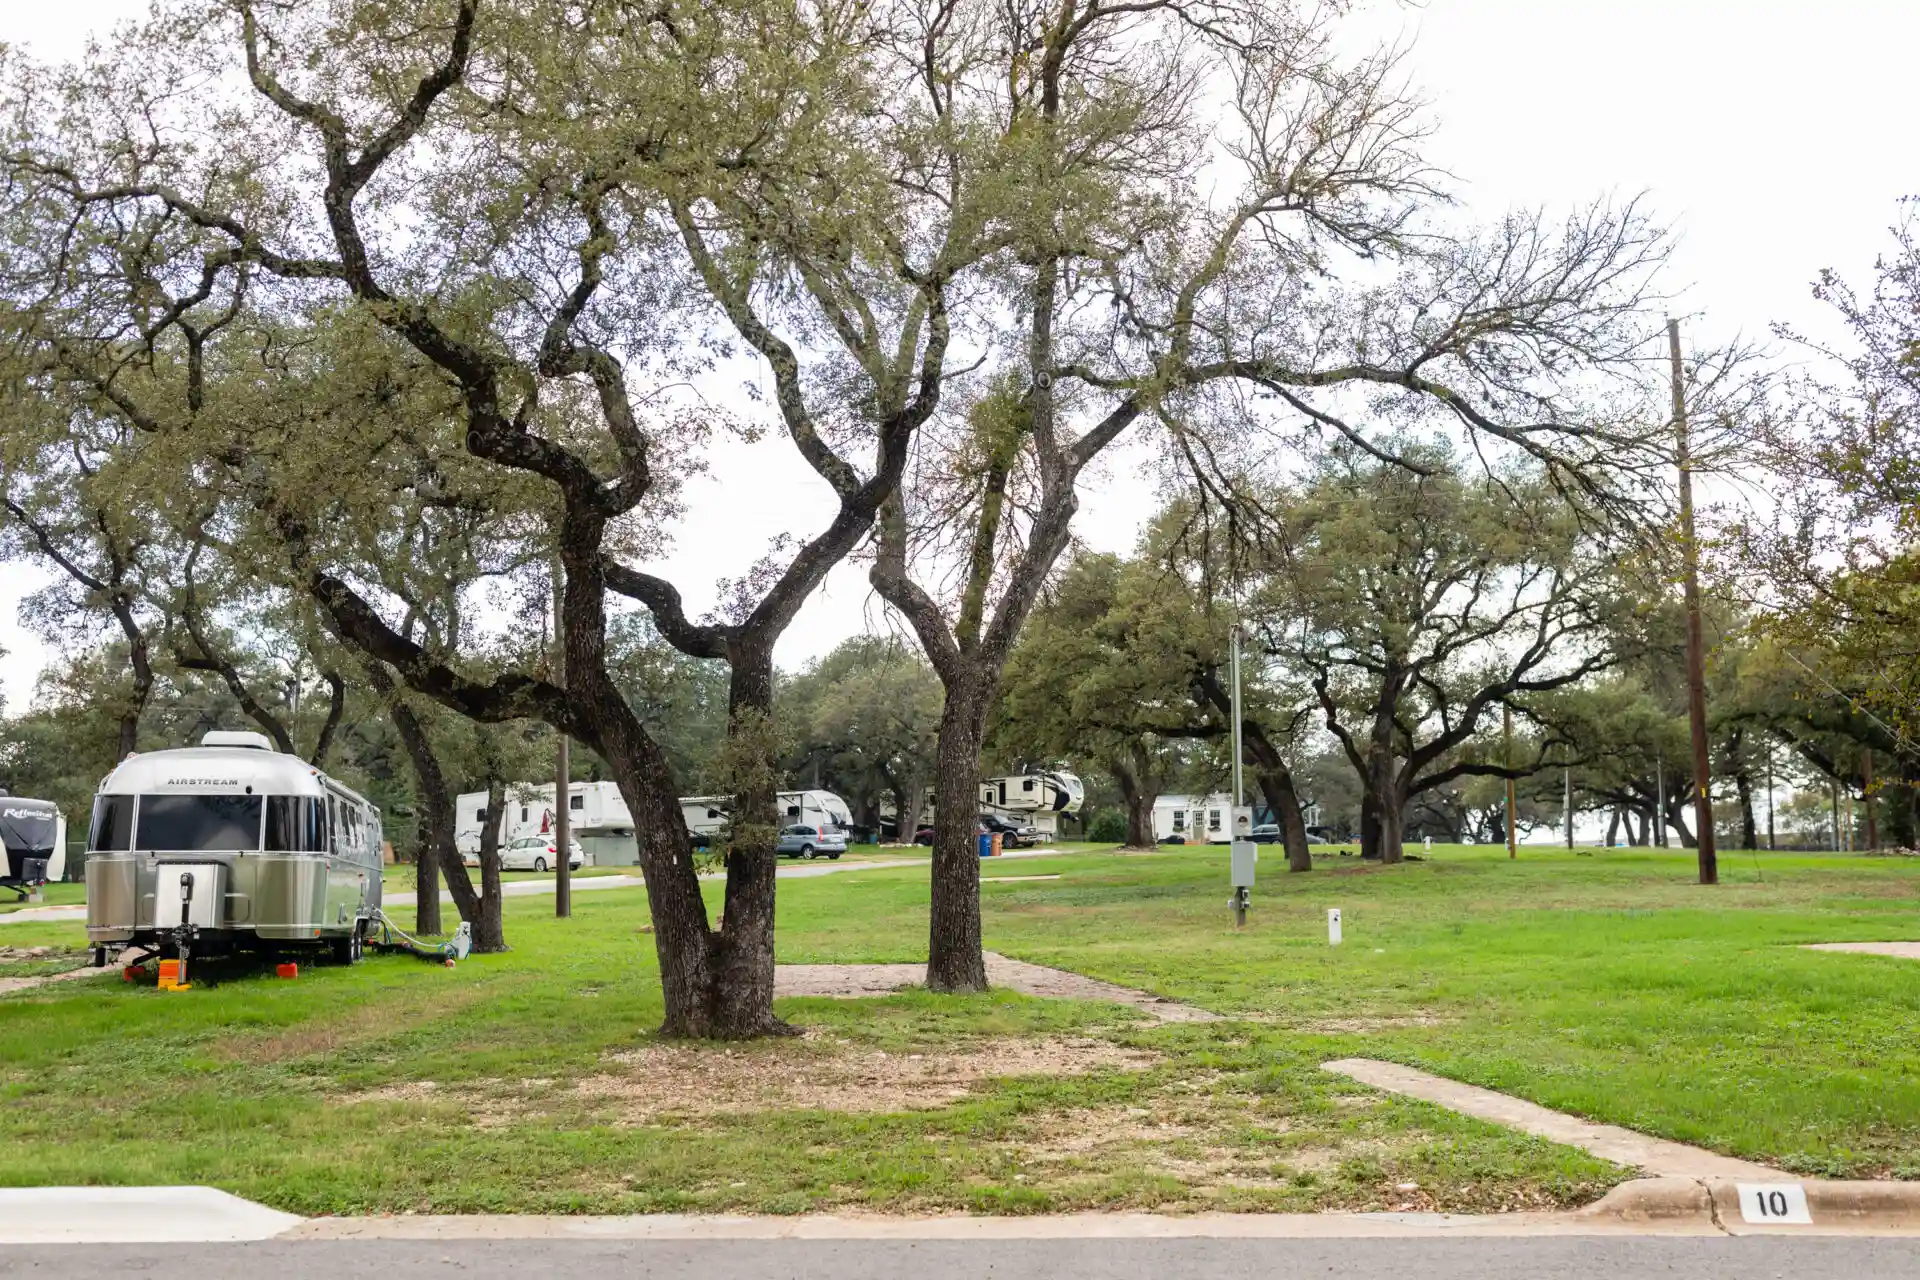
x=1889, y=1207
x=1653, y=1200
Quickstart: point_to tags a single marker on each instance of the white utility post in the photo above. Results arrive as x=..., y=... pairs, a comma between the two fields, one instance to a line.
x=1242, y=852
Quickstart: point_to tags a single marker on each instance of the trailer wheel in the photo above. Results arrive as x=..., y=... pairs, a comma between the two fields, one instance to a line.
x=346, y=950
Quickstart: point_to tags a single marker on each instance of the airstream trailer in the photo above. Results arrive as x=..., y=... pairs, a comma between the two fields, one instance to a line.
x=230, y=846
x=33, y=843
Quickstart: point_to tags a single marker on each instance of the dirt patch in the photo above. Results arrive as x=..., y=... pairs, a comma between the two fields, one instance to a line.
x=852, y=981
x=815, y=1073
x=31, y=955
x=8, y=986
x=1184, y=1147
x=835, y=1076
x=1360, y=1026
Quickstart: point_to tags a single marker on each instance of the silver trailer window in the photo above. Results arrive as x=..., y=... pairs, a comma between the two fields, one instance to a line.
x=112, y=830
x=208, y=824
x=296, y=824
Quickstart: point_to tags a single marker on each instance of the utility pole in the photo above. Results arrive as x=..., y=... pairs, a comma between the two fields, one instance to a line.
x=563, y=765
x=1513, y=841
x=1567, y=804
x=1660, y=802
x=1770, y=844
x=1241, y=850
x=1866, y=801
x=1696, y=644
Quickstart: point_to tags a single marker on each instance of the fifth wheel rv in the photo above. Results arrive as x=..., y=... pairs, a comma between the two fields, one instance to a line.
x=230, y=846
x=1038, y=798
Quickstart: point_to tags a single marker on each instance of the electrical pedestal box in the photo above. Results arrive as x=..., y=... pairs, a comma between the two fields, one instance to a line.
x=1243, y=854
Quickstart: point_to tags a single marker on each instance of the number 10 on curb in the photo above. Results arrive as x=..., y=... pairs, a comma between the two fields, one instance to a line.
x=1775, y=1202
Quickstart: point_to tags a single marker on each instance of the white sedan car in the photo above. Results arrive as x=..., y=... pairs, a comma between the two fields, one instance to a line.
x=533, y=853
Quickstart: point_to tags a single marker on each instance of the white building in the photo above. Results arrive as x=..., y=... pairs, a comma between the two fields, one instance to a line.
x=1196, y=819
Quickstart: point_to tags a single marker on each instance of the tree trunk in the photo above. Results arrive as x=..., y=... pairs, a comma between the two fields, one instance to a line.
x=955, y=961
x=1645, y=818
x=1749, y=830
x=481, y=911
x=1277, y=787
x=1382, y=813
x=1900, y=810
x=1613, y=826
x=489, y=930
x=434, y=845
x=743, y=947
x=1392, y=839
x=1130, y=776
x=1677, y=818
x=426, y=872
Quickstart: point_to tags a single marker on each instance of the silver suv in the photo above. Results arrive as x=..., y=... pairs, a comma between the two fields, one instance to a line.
x=804, y=841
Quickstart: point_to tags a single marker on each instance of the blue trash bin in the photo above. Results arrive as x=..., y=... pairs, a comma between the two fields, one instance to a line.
x=986, y=844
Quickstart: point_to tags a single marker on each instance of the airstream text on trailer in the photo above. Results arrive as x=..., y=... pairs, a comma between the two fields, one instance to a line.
x=230, y=846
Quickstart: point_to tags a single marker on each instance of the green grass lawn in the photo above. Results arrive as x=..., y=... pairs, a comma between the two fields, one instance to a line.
x=57, y=895
x=1609, y=985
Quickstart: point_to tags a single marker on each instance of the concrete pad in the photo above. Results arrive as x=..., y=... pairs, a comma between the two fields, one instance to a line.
x=134, y=1215
x=1656, y=1156
x=1901, y=950
x=43, y=915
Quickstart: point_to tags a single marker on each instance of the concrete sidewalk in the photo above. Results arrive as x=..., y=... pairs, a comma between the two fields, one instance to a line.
x=134, y=1215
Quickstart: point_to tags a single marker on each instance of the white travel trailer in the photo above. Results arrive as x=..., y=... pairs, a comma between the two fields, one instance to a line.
x=33, y=844
x=1037, y=799
x=230, y=846
x=597, y=817
x=706, y=816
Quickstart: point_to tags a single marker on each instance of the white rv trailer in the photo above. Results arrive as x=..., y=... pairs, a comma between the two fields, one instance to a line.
x=706, y=816
x=33, y=844
x=230, y=846
x=599, y=819
x=1036, y=799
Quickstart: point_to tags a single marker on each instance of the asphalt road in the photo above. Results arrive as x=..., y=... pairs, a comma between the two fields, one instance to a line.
x=1553, y=1258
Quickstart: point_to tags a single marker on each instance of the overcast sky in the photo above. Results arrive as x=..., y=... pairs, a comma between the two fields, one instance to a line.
x=1775, y=135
